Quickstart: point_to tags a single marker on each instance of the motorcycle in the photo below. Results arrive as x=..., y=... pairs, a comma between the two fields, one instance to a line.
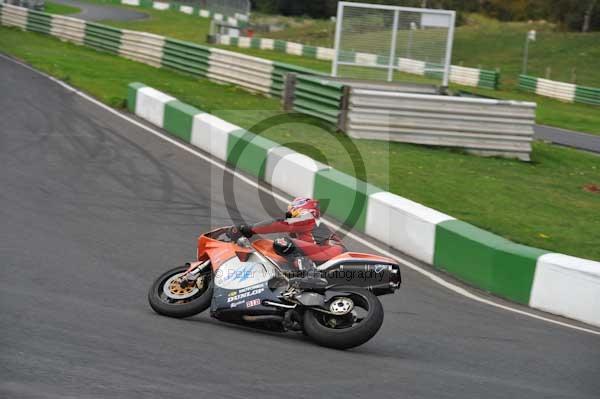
x=334, y=303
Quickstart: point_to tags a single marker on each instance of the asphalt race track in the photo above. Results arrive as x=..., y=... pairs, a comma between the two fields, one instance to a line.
x=569, y=138
x=92, y=12
x=92, y=208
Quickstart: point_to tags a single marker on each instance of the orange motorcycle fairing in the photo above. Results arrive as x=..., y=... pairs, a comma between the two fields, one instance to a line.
x=219, y=252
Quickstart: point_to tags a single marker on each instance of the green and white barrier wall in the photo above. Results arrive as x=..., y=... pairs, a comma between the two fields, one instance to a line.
x=458, y=74
x=251, y=73
x=318, y=97
x=313, y=95
x=556, y=283
x=568, y=92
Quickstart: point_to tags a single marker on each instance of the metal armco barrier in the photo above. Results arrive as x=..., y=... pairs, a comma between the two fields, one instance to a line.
x=102, y=37
x=314, y=96
x=185, y=57
x=415, y=114
x=249, y=72
x=142, y=47
x=281, y=70
x=485, y=127
x=68, y=29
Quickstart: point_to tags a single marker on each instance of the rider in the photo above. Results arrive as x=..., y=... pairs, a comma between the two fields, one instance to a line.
x=310, y=237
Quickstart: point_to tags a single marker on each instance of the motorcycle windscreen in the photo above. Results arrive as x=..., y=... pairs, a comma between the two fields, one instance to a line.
x=240, y=288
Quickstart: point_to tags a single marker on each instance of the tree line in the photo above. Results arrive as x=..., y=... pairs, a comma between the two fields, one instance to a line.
x=573, y=15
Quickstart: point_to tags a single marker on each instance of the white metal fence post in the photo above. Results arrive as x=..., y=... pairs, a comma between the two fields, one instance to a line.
x=449, y=42
x=393, y=47
x=338, y=31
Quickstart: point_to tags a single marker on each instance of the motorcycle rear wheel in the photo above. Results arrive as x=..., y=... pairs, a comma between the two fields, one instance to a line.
x=168, y=298
x=346, y=331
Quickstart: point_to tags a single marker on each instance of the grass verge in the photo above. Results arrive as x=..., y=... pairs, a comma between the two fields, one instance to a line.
x=542, y=204
x=490, y=44
x=169, y=23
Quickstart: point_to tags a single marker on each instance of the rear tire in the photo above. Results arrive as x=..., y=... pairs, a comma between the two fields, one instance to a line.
x=166, y=306
x=355, y=335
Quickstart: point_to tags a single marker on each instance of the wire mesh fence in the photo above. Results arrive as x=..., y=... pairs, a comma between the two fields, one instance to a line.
x=380, y=42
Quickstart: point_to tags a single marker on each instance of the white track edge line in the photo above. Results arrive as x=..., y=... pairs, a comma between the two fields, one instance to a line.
x=436, y=279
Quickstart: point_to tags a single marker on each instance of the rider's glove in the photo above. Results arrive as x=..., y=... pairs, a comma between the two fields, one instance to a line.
x=245, y=230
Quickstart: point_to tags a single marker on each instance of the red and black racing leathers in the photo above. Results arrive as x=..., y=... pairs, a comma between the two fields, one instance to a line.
x=311, y=237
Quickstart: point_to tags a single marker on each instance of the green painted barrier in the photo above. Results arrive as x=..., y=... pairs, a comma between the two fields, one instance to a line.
x=385, y=60
x=488, y=79
x=102, y=37
x=347, y=56
x=185, y=57
x=248, y=152
x=318, y=97
x=486, y=260
x=432, y=70
x=527, y=83
x=39, y=22
x=255, y=43
x=343, y=197
x=280, y=45
x=280, y=69
x=587, y=95
x=309, y=51
x=179, y=118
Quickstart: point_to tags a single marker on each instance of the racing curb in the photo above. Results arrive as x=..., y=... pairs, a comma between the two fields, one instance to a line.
x=552, y=282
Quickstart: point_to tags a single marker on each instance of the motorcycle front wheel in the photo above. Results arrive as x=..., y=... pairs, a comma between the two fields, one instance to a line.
x=357, y=317
x=168, y=298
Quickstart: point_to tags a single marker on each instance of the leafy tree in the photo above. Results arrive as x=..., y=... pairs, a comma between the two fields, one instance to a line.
x=579, y=15
x=589, y=14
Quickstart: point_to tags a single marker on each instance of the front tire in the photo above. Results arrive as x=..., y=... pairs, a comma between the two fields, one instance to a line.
x=349, y=330
x=167, y=299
